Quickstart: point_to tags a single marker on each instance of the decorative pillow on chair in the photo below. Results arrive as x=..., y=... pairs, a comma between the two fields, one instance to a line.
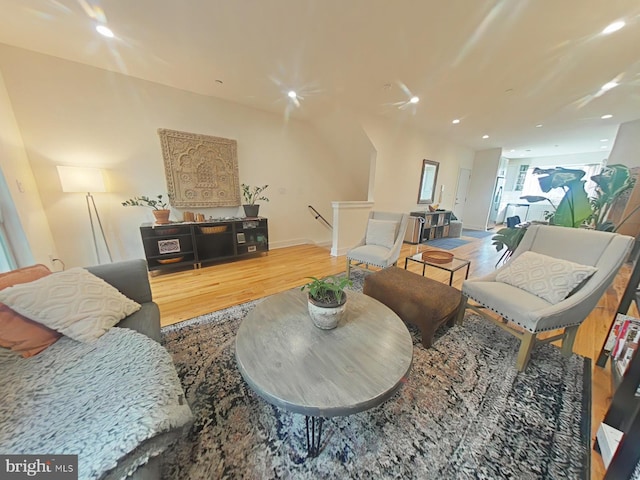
x=18, y=333
x=381, y=232
x=75, y=303
x=552, y=279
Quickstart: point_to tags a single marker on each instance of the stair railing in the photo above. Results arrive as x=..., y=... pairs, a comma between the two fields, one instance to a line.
x=319, y=217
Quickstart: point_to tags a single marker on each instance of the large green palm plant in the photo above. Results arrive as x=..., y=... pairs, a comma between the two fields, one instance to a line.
x=575, y=209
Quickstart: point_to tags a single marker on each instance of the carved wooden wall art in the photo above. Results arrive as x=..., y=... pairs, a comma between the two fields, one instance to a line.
x=201, y=170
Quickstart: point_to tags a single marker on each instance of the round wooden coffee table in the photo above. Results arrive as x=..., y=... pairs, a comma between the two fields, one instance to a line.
x=323, y=373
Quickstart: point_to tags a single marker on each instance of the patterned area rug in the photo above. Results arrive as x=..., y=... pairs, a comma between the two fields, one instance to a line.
x=463, y=413
x=446, y=243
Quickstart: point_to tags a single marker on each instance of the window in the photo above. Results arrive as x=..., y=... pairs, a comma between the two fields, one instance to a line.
x=522, y=175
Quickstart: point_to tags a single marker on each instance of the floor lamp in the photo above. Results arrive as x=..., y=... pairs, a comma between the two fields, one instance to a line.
x=86, y=179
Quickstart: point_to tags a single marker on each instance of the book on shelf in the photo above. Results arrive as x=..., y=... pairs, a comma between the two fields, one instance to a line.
x=625, y=343
x=614, y=333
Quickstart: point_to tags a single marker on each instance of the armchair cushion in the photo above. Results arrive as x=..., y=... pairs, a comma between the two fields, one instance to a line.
x=381, y=232
x=552, y=279
x=371, y=254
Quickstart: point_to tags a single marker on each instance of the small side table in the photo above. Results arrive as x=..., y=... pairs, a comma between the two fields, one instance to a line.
x=453, y=266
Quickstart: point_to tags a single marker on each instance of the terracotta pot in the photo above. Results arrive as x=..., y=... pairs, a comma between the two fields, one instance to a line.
x=162, y=216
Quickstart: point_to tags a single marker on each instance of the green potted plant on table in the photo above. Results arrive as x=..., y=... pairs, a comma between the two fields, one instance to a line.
x=327, y=300
x=251, y=196
x=158, y=207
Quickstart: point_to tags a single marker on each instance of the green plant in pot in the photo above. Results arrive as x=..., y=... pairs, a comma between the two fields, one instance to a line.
x=157, y=205
x=327, y=300
x=252, y=195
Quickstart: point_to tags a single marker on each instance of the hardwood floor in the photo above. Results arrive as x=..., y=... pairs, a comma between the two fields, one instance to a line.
x=185, y=294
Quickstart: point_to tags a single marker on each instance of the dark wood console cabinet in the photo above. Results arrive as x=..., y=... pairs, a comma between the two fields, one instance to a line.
x=186, y=244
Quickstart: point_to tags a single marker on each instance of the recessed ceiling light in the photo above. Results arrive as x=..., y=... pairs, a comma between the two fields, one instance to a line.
x=607, y=116
x=512, y=150
x=609, y=86
x=456, y=121
x=539, y=125
x=485, y=136
x=604, y=139
x=219, y=82
x=104, y=31
x=292, y=95
x=414, y=100
x=603, y=146
x=613, y=27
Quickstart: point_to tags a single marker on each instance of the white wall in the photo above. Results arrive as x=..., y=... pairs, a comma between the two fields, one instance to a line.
x=349, y=225
x=626, y=149
x=24, y=217
x=398, y=165
x=483, y=178
x=71, y=114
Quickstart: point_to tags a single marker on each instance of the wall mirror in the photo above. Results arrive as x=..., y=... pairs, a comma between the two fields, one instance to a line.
x=428, y=180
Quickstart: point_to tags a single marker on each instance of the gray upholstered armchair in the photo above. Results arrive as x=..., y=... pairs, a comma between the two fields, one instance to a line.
x=381, y=243
x=552, y=281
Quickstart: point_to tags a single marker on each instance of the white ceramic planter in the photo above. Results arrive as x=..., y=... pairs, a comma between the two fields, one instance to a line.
x=327, y=318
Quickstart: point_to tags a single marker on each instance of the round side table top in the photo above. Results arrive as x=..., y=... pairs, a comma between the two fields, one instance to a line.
x=297, y=366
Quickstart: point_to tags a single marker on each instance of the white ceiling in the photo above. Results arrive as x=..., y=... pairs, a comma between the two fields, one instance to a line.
x=501, y=67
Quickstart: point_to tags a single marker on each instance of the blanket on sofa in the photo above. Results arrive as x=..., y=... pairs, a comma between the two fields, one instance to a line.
x=108, y=402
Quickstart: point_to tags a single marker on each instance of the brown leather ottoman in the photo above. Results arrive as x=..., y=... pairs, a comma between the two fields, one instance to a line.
x=418, y=300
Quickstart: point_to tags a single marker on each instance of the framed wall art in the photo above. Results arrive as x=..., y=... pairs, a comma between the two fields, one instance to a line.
x=168, y=246
x=201, y=170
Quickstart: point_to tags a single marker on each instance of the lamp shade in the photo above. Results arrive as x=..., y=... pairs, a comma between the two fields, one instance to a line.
x=81, y=179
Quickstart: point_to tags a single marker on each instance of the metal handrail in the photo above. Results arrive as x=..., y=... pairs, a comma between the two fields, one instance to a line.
x=319, y=216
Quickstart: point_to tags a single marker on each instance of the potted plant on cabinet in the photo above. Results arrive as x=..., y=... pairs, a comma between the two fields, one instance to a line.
x=251, y=196
x=158, y=207
x=327, y=300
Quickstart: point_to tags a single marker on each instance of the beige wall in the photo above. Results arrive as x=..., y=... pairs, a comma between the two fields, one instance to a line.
x=71, y=114
x=398, y=165
x=343, y=134
x=25, y=218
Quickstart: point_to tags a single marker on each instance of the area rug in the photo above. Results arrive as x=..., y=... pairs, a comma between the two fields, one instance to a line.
x=446, y=243
x=463, y=413
x=477, y=233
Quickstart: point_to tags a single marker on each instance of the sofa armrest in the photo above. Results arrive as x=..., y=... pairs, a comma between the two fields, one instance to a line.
x=145, y=321
x=129, y=277
x=132, y=280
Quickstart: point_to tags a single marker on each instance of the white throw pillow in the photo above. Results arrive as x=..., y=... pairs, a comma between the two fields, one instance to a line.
x=552, y=279
x=74, y=302
x=381, y=232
